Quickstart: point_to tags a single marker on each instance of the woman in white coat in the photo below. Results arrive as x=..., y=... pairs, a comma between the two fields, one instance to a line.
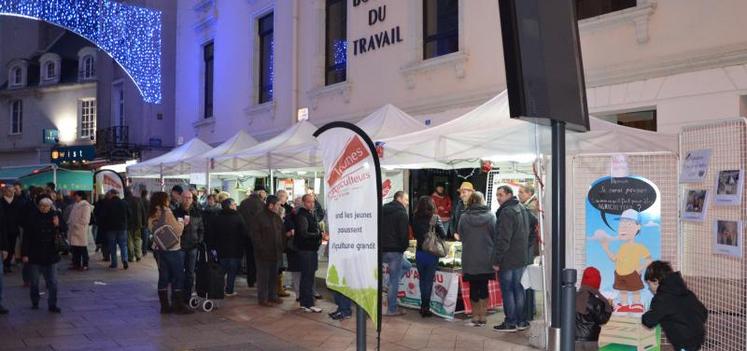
x=80, y=218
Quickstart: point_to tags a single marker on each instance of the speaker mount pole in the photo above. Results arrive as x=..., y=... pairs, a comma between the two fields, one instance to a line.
x=558, y=229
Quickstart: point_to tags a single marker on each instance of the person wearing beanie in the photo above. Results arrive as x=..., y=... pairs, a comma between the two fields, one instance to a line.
x=592, y=310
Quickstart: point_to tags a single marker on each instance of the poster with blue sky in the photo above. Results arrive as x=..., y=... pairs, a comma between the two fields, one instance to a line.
x=623, y=235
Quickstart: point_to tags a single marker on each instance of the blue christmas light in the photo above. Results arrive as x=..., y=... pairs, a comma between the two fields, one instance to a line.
x=341, y=52
x=131, y=35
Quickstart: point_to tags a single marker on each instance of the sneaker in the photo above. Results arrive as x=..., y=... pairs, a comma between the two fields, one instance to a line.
x=312, y=309
x=505, y=328
x=318, y=296
x=476, y=324
x=394, y=314
x=125, y=265
x=231, y=294
x=341, y=316
x=55, y=309
x=523, y=326
x=332, y=314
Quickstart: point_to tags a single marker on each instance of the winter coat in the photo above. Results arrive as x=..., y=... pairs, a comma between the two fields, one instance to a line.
x=77, y=224
x=227, y=233
x=420, y=227
x=116, y=214
x=513, y=235
x=13, y=219
x=319, y=212
x=170, y=219
x=443, y=206
x=592, y=311
x=38, y=239
x=267, y=236
x=680, y=313
x=308, y=236
x=459, y=209
x=477, y=229
x=194, y=232
x=249, y=208
x=394, y=229
x=135, y=218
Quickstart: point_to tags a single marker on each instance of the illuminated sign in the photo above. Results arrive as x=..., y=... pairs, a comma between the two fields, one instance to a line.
x=78, y=153
x=49, y=136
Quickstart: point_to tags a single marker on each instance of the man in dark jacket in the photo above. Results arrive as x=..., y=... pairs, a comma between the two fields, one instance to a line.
x=192, y=236
x=675, y=307
x=134, y=227
x=99, y=218
x=307, y=239
x=267, y=236
x=249, y=209
x=117, y=214
x=465, y=191
x=228, y=232
x=394, y=243
x=12, y=207
x=511, y=257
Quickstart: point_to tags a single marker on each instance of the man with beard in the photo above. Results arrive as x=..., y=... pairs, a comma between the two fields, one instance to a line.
x=465, y=191
x=442, y=200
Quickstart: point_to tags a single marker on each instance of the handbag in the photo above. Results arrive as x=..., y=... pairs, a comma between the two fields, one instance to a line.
x=432, y=243
x=164, y=237
x=61, y=244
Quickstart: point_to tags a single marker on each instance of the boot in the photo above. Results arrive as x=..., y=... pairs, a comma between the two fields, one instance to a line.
x=179, y=306
x=483, y=317
x=425, y=309
x=163, y=297
x=281, y=288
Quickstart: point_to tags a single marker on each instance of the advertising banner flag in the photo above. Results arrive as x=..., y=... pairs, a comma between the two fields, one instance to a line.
x=353, y=187
x=105, y=180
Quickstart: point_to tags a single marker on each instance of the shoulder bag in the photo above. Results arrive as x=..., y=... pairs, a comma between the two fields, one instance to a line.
x=432, y=243
x=164, y=236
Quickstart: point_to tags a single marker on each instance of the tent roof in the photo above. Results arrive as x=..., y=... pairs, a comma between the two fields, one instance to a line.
x=488, y=132
x=72, y=180
x=198, y=164
x=152, y=167
x=389, y=121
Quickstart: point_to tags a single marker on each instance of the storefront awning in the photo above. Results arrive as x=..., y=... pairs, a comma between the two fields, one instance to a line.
x=9, y=174
x=66, y=179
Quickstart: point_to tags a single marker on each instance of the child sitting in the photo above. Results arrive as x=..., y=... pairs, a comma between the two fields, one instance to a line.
x=592, y=310
x=677, y=309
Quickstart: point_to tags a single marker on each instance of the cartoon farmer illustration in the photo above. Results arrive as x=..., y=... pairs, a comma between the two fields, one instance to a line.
x=630, y=261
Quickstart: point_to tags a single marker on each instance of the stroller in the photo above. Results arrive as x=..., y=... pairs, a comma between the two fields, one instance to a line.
x=209, y=280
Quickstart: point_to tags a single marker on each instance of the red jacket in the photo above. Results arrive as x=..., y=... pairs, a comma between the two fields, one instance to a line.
x=443, y=206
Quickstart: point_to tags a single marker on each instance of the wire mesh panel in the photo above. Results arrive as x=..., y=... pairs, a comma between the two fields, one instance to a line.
x=718, y=280
x=659, y=168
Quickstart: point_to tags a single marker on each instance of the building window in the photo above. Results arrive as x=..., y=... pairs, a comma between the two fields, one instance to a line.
x=49, y=71
x=16, y=76
x=16, y=117
x=266, y=55
x=593, y=8
x=440, y=27
x=208, y=54
x=645, y=120
x=87, y=116
x=88, y=67
x=336, y=41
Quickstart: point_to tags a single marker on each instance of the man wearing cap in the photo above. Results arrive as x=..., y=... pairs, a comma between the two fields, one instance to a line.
x=630, y=260
x=465, y=191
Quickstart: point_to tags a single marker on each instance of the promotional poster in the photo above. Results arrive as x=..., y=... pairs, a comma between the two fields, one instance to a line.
x=352, y=212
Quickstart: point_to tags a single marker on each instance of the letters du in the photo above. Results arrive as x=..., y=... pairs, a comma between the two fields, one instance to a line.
x=374, y=15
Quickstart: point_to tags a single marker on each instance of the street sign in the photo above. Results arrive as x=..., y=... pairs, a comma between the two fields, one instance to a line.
x=49, y=136
x=62, y=154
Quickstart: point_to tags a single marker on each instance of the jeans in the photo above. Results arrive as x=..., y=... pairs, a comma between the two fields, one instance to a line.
x=231, y=267
x=117, y=238
x=49, y=271
x=190, y=262
x=170, y=270
x=426, y=264
x=145, y=238
x=134, y=244
x=513, y=295
x=398, y=266
x=309, y=265
x=344, y=304
x=80, y=256
x=267, y=281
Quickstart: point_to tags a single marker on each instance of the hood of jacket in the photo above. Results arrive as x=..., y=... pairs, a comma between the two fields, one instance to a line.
x=673, y=284
x=477, y=215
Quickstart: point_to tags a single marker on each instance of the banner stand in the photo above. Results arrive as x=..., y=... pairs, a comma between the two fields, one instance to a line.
x=360, y=311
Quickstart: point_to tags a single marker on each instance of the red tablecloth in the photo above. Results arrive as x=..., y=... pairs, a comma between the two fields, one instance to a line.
x=495, y=299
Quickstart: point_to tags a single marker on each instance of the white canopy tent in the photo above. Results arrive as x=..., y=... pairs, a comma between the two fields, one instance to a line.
x=156, y=167
x=488, y=132
x=241, y=141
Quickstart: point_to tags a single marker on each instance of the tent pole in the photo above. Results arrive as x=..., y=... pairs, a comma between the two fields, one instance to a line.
x=54, y=175
x=162, y=180
x=207, y=179
x=272, y=182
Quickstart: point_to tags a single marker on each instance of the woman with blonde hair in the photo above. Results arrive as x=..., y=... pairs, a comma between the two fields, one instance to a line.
x=164, y=226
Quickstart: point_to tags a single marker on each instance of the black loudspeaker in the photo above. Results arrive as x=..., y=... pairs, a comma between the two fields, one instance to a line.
x=542, y=54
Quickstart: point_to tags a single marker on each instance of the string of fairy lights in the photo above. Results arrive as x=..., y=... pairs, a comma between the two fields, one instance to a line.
x=129, y=34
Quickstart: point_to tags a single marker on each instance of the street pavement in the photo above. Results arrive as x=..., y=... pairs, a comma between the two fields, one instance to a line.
x=105, y=309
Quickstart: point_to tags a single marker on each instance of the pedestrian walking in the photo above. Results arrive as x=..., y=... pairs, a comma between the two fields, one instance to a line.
x=39, y=251
x=78, y=223
x=162, y=223
x=394, y=243
x=424, y=220
x=267, y=236
x=477, y=228
x=192, y=237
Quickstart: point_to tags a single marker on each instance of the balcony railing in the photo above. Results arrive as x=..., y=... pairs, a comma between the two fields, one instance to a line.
x=113, y=143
